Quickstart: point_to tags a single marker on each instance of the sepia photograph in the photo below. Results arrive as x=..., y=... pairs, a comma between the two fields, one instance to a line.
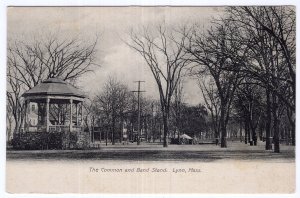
x=151, y=99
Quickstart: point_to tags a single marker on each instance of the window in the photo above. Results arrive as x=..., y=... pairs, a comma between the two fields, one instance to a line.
x=33, y=107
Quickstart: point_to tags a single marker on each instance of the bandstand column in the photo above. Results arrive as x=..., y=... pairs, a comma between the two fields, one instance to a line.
x=77, y=119
x=47, y=114
x=25, y=124
x=71, y=115
x=81, y=112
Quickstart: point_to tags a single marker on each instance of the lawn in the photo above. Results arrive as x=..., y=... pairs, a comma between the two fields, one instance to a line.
x=155, y=152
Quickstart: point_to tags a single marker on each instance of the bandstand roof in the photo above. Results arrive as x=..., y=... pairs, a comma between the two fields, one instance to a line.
x=54, y=87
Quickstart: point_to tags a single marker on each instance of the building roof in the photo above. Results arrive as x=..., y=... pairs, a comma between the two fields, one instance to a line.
x=54, y=87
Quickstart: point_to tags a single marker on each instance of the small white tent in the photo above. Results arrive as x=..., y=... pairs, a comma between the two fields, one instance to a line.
x=185, y=136
x=185, y=139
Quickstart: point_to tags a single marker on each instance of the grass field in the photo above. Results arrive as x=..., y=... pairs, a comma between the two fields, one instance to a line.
x=155, y=152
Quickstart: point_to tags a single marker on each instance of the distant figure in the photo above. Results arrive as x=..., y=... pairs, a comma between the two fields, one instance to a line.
x=217, y=141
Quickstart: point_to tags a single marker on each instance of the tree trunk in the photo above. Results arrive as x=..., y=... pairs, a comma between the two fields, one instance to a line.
x=253, y=133
x=223, y=138
x=249, y=134
x=217, y=135
x=93, y=129
x=246, y=131
x=106, y=136
x=93, y=133
x=287, y=135
x=291, y=117
x=178, y=136
x=241, y=131
x=153, y=130
x=174, y=132
x=9, y=129
x=261, y=129
x=275, y=124
x=160, y=131
x=254, y=136
x=146, y=128
x=293, y=134
x=121, y=130
x=113, y=131
x=223, y=128
x=268, y=121
x=131, y=132
x=100, y=135
x=113, y=136
x=165, y=123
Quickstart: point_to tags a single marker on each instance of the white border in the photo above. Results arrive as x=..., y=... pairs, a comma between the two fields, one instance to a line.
x=5, y=3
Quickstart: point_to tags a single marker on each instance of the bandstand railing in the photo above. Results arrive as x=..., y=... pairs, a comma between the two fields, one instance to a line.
x=38, y=128
x=64, y=128
x=52, y=128
x=58, y=128
x=78, y=128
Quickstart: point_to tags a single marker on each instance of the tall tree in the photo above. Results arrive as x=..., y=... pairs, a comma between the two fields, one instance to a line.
x=162, y=48
x=215, y=52
x=212, y=103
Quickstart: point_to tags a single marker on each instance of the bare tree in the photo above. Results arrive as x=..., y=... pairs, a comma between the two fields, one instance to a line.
x=14, y=101
x=113, y=101
x=177, y=107
x=29, y=63
x=163, y=51
x=279, y=23
x=53, y=57
x=214, y=52
x=270, y=33
x=212, y=103
x=91, y=115
x=249, y=101
x=9, y=121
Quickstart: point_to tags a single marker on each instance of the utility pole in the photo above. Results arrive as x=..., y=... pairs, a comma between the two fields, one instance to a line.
x=139, y=110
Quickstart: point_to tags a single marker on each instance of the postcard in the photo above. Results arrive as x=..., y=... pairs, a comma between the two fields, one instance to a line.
x=151, y=99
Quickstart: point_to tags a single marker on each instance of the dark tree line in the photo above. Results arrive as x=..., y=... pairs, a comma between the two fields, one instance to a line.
x=112, y=116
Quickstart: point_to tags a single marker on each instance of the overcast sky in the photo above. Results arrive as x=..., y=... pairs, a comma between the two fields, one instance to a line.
x=113, y=24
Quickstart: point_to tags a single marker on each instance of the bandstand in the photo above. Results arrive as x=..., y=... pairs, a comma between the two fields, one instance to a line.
x=53, y=112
